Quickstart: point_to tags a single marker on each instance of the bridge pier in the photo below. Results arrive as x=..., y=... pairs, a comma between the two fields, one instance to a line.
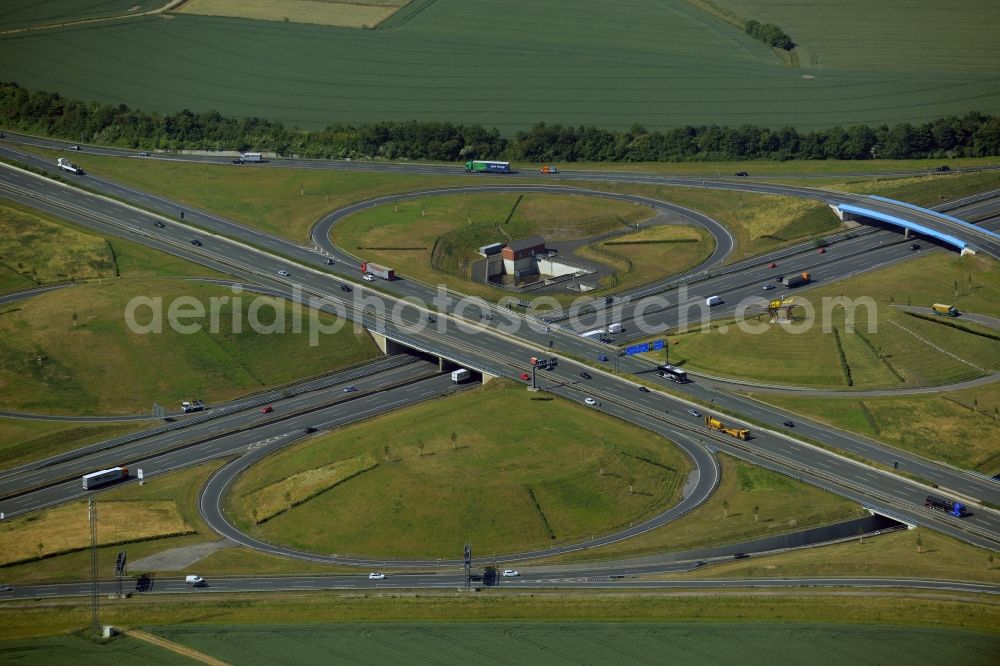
x=387, y=346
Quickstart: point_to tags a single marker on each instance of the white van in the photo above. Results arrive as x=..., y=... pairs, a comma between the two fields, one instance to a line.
x=614, y=328
x=197, y=581
x=713, y=300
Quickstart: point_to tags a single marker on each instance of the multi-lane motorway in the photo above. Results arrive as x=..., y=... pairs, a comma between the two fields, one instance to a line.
x=499, y=341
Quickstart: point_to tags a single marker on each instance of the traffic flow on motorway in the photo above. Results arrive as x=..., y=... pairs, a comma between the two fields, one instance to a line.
x=500, y=341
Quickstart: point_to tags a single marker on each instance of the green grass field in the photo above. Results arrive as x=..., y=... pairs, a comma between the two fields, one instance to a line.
x=650, y=254
x=902, y=351
x=660, y=65
x=958, y=427
x=583, y=643
x=39, y=250
x=435, y=239
x=58, y=350
x=728, y=516
x=555, y=474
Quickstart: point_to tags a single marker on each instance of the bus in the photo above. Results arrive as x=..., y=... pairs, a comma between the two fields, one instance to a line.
x=486, y=166
x=95, y=479
x=673, y=373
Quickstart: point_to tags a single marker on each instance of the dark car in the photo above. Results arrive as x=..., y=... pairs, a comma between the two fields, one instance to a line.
x=742, y=173
x=344, y=287
x=195, y=241
x=740, y=556
x=942, y=168
x=643, y=389
x=158, y=224
x=310, y=429
x=586, y=375
x=779, y=278
x=914, y=246
x=788, y=424
x=144, y=583
x=328, y=261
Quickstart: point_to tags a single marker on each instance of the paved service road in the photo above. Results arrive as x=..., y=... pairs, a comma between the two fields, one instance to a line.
x=608, y=578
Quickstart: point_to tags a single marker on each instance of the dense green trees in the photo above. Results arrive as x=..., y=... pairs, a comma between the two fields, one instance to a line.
x=973, y=134
x=770, y=34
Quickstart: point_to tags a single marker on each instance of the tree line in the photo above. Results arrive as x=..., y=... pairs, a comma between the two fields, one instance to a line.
x=50, y=114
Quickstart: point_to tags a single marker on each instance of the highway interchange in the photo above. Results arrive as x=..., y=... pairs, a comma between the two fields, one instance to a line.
x=492, y=340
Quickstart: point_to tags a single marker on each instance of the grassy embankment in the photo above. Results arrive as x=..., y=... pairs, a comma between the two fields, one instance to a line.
x=650, y=254
x=750, y=503
x=928, y=190
x=918, y=554
x=22, y=440
x=421, y=482
x=39, y=249
x=902, y=351
x=961, y=428
x=72, y=351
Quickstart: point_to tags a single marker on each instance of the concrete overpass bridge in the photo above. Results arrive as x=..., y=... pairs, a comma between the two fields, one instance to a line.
x=967, y=238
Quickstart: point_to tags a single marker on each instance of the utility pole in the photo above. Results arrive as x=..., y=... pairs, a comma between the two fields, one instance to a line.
x=96, y=616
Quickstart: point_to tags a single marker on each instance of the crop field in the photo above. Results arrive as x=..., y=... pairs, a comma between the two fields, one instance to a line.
x=557, y=473
x=350, y=14
x=584, y=643
x=59, y=349
x=73, y=650
x=660, y=65
x=856, y=34
x=19, y=14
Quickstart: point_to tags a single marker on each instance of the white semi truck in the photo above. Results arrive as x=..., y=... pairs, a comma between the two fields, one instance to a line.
x=66, y=165
x=460, y=375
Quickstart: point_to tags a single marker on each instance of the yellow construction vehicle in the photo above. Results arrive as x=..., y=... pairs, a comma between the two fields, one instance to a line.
x=716, y=424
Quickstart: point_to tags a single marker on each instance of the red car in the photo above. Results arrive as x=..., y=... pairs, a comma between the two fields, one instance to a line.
x=822, y=250
x=773, y=265
x=525, y=377
x=266, y=410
